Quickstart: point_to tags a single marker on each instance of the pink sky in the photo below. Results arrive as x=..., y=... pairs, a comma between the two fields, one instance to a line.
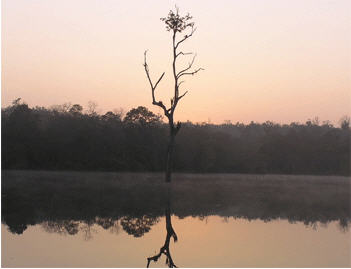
x=264, y=60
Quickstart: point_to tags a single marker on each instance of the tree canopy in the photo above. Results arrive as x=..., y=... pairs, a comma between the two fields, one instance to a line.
x=57, y=139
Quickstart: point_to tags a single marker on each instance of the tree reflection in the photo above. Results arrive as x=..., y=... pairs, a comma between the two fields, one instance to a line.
x=108, y=224
x=69, y=227
x=30, y=198
x=165, y=248
x=87, y=229
x=61, y=227
x=138, y=226
x=105, y=223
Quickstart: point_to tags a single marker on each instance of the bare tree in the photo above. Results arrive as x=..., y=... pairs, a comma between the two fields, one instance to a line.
x=175, y=24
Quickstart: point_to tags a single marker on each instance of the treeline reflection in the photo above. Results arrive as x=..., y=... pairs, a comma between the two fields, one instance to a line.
x=67, y=203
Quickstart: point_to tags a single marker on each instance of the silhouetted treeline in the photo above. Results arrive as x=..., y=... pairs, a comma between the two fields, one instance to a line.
x=66, y=138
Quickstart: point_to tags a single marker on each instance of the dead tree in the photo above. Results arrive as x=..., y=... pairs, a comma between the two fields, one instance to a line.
x=175, y=24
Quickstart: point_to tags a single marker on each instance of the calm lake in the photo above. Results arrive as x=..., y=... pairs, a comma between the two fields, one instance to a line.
x=71, y=219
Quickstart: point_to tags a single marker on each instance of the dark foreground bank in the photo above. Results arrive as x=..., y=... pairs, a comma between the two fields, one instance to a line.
x=62, y=198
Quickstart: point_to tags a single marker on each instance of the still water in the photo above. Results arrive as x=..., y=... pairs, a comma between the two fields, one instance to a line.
x=210, y=242
x=66, y=219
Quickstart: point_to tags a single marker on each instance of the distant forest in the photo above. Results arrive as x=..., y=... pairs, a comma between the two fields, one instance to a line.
x=65, y=137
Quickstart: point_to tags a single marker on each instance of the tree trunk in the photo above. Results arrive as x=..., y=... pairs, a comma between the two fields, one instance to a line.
x=169, y=159
x=177, y=24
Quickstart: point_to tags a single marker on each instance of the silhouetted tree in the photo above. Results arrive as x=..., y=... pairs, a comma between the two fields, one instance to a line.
x=76, y=109
x=175, y=24
x=141, y=115
x=345, y=122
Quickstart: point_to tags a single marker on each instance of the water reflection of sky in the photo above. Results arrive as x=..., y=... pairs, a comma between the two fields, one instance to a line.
x=210, y=242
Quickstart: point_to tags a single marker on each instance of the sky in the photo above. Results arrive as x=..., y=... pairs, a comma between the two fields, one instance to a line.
x=283, y=61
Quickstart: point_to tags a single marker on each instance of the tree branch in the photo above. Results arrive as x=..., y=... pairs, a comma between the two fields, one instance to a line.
x=180, y=83
x=186, y=37
x=153, y=87
x=191, y=73
x=182, y=95
x=186, y=69
x=175, y=103
x=158, y=81
x=183, y=53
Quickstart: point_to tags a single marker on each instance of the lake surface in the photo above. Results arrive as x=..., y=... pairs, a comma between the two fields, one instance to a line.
x=212, y=242
x=52, y=219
